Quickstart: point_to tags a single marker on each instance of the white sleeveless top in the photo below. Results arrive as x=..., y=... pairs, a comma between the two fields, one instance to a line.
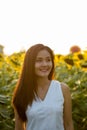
x=47, y=114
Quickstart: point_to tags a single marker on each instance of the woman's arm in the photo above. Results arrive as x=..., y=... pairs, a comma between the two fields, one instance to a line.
x=68, y=123
x=19, y=124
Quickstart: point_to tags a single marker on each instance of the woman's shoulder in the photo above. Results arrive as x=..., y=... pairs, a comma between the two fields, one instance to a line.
x=62, y=84
x=65, y=88
x=55, y=81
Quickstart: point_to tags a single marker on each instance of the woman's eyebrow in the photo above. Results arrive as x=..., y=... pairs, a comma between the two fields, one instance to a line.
x=42, y=57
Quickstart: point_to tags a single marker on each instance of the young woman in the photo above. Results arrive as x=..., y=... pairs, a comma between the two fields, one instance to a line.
x=41, y=103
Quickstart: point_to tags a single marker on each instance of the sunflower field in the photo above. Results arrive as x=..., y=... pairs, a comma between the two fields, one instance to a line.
x=70, y=68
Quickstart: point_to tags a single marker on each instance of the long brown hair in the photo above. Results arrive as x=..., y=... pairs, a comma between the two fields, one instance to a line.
x=24, y=91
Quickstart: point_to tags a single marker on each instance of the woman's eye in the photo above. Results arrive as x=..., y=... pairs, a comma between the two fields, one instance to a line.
x=48, y=60
x=41, y=60
x=38, y=60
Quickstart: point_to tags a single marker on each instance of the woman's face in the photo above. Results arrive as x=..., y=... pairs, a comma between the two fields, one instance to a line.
x=43, y=64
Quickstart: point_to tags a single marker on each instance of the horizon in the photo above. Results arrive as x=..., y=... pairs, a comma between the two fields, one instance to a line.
x=63, y=51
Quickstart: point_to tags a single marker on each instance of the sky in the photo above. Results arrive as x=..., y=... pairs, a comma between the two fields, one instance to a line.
x=59, y=24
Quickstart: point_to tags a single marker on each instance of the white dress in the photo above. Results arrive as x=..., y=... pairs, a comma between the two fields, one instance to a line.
x=47, y=114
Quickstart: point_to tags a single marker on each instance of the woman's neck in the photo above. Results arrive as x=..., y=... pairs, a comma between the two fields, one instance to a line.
x=43, y=82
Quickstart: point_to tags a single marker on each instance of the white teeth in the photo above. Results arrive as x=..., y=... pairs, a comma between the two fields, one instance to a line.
x=44, y=70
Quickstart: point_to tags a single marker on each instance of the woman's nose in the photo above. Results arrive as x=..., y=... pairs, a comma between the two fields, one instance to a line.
x=44, y=63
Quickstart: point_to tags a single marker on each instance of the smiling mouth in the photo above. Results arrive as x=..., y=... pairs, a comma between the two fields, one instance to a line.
x=44, y=70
